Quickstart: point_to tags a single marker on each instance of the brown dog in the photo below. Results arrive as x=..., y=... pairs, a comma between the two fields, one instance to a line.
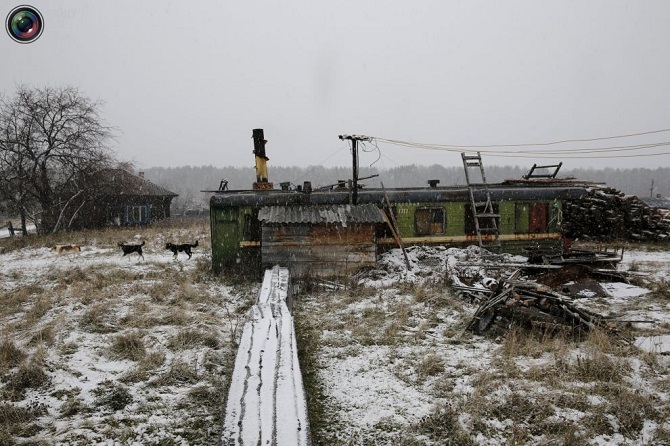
x=66, y=249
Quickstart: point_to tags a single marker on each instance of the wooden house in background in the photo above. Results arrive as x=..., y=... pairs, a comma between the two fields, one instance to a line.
x=124, y=199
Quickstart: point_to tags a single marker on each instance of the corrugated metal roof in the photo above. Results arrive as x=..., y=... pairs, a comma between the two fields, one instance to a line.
x=338, y=214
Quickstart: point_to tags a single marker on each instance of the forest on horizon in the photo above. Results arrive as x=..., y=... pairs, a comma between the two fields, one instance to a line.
x=190, y=181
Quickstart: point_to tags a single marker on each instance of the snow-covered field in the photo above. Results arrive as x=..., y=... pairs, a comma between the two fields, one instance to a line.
x=96, y=348
x=394, y=364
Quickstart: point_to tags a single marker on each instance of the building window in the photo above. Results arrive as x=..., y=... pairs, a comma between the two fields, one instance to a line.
x=138, y=215
x=429, y=221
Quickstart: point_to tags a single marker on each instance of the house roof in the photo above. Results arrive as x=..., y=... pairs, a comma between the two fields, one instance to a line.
x=123, y=182
x=498, y=192
x=321, y=214
x=656, y=202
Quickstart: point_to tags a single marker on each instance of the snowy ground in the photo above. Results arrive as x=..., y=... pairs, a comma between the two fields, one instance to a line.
x=394, y=365
x=97, y=348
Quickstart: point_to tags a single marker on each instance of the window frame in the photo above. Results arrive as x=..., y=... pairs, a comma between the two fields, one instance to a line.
x=433, y=213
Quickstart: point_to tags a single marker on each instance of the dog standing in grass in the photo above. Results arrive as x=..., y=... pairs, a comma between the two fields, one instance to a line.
x=66, y=249
x=184, y=247
x=129, y=249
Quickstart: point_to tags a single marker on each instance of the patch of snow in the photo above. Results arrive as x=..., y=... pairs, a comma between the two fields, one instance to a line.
x=654, y=344
x=619, y=290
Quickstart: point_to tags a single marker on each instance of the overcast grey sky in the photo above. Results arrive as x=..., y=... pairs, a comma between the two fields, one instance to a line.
x=186, y=82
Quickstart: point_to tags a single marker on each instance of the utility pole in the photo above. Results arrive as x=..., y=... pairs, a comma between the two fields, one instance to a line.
x=651, y=191
x=354, y=155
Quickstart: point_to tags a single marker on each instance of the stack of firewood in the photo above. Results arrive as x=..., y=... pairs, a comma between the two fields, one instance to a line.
x=606, y=214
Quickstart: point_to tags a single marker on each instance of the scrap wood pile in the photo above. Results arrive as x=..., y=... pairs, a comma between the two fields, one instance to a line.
x=505, y=297
x=607, y=214
x=536, y=306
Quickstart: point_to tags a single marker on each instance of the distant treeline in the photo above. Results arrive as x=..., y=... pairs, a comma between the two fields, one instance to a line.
x=189, y=181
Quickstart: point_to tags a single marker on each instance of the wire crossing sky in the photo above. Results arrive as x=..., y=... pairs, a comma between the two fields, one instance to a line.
x=503, y=150
x=185, y=83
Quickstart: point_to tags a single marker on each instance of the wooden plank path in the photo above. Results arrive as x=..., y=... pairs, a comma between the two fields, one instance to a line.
x=266, y=402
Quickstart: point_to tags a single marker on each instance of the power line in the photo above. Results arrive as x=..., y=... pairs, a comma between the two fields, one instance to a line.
x=602, y=138
x=542, y=153
x=316, y=166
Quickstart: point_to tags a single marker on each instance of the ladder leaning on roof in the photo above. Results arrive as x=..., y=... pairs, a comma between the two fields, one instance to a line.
x=485, y=217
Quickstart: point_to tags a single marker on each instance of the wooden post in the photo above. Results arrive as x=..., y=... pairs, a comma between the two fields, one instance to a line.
x=10, y=228
x=354, y=155
x=393, y=224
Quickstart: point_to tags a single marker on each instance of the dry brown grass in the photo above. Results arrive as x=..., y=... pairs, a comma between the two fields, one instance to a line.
x=145, y=368
x=29, y=375
x=179, y=372
x=99, y=318
x=128, y=346
x=190, y=338
x=598, y=367
x=521, y=342
x=44, y=335
x=431, y=365
x=13, y=300
x=10, y=354
x=443, y=427
x=41, y=306
x=18, y=420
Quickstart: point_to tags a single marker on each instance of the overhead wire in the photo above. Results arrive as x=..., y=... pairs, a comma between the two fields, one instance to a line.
x=318, y=165
x=582, y=152
x=376, y=148
x=601, y=138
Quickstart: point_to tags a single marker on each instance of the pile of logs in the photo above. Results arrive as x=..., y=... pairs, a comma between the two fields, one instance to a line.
x=606, y=214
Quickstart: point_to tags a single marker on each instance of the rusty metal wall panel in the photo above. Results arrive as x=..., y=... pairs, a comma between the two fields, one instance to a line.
x=318, y=235
x=322, y=250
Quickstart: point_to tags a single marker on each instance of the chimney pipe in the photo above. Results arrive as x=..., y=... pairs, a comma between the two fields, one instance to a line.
x=261, y=161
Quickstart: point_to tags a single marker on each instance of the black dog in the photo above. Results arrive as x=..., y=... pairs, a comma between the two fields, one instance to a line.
x=129, y=249
x=184, y=247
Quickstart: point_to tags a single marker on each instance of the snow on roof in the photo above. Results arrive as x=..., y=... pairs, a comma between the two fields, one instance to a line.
x=656, y=202
x=321, y=214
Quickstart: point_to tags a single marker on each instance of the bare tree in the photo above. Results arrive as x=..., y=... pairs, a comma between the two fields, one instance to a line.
x=52, y=144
